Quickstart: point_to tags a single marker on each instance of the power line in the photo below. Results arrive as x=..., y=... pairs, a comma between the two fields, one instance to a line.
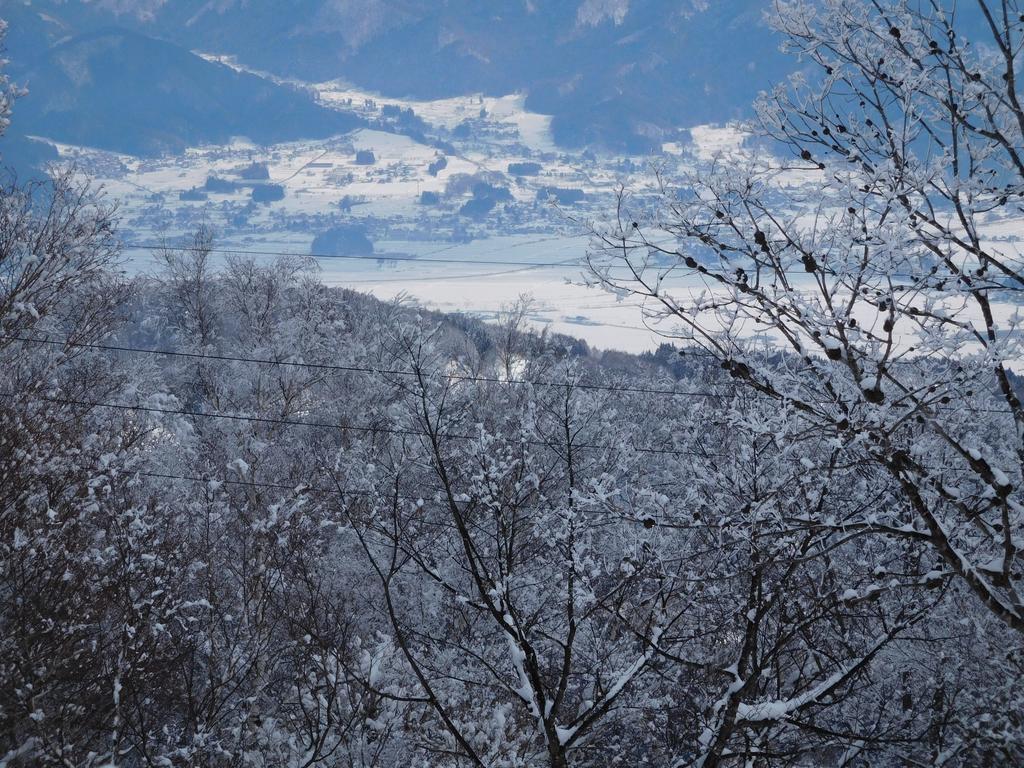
x=399, y=372
x=362, y=369
x=429, y=278
x=643, y=520
x=424, y=259
x=379, y=257
x=947, y=275
x=327, y=425
x=231, y=416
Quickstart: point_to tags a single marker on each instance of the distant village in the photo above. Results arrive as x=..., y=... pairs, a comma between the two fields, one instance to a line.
x=470, y=176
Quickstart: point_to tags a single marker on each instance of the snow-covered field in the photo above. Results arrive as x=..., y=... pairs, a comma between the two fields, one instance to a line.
x=449, y=263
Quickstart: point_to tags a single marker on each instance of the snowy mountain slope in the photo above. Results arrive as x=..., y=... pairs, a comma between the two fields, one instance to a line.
x=614, y=72
x=122, y=90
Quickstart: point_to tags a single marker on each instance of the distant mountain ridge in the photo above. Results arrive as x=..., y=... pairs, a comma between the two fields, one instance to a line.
x=118, y=89
x=621, y=73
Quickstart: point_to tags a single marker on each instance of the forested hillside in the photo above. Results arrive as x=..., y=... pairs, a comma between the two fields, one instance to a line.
x=248, y=517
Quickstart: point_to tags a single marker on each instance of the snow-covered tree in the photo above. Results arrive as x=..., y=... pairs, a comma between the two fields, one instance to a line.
x=250, y=520
x=867, y=287
x=8, y=92
x=865, y=284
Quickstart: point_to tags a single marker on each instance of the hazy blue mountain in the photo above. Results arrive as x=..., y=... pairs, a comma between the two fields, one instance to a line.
x=611, y=71
x=121, y=90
